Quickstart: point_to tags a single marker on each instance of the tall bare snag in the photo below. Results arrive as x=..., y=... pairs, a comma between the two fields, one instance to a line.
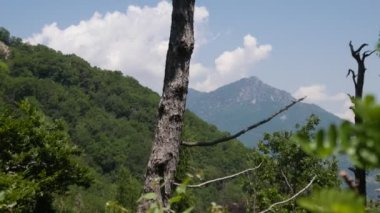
x=358, y=80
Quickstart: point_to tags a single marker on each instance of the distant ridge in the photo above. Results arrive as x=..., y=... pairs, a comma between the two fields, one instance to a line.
x=241, y=103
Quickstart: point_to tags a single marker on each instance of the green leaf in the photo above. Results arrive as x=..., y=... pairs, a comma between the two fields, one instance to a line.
x=175, y=199
x=150, y=196
x=2, y=196
x=333, y=201
x=181, y=189
x=188, y=210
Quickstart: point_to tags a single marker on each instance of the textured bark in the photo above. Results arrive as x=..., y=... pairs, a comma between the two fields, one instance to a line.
x=159, y=177
x=358, y=80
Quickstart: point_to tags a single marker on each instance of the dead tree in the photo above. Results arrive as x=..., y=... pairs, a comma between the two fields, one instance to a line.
x=358, y=80
x=159, y=177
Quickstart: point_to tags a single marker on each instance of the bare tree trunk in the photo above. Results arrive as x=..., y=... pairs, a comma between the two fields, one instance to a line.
x=358, y=80
x=159, y=177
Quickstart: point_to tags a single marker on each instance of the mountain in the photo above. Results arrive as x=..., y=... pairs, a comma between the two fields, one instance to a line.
x=237, y=105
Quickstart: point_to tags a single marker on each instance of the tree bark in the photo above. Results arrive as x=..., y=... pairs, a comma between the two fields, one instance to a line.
x=159, y=177
x=358, y=80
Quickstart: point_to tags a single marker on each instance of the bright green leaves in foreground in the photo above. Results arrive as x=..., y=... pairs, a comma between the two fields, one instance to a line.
x=333, y=201
x=156, y=206
x=37, y=161
x=361, y=141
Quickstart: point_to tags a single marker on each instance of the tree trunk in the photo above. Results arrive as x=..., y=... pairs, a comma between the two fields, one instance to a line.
x=164, y=156
x=360, y=173
x=358, y=80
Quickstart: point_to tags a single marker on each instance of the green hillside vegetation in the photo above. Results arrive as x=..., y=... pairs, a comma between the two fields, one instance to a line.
x=41, y=164
x=111, y=118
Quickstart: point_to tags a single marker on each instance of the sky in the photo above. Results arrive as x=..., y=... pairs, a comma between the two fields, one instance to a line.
x=298, y=46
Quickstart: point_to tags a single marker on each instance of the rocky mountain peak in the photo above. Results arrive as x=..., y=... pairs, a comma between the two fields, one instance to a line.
x=253, y=90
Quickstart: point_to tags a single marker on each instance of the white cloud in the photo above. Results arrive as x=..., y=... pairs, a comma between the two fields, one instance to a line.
x=346, y=112
x=338, y=103
x=134, y=42
x=198, y=71
x=242, y=58
x=234, y=65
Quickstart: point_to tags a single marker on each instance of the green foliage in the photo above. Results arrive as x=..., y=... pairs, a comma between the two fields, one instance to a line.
x=17, y=193
x=4, y=67
x=333, y=201
x=359, y=141
x=209, y=163
x=286, y=169
x=215, y=208
x=37, y=160
x=157, y=207
x=128, y=189
x=115, y=207
x=111, y=119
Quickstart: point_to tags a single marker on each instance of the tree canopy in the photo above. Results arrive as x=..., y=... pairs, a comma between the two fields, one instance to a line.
x=37, y=160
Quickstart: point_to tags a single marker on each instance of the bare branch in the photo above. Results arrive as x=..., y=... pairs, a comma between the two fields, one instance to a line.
x=351, y=48
x=350, y=71
x=224, y=139
x=221, y=178
x=291, y=198
x=368, y=53
x=356, y=53
x=360, y=48
x=287, y=182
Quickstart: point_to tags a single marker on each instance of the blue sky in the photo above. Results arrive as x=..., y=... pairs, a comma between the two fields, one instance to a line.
x=299, y=46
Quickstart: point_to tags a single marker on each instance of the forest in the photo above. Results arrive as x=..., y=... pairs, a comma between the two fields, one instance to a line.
x=78, y=138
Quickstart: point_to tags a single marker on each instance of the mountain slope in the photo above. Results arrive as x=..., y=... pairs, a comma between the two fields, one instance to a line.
x=240, y=104
x=111, y=118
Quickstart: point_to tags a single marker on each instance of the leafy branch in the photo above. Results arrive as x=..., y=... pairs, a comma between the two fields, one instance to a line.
x=359, y=141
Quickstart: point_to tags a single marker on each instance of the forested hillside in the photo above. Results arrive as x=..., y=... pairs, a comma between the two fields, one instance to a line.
x=111, y=118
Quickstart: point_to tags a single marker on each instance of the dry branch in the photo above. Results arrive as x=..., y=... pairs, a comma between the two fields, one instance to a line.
x=360, y=48
x=356, y=53
x=350, y=71
x=291, y=198
x=368, y=53
x=221, y=178
x=224, y=139
x=287, y=182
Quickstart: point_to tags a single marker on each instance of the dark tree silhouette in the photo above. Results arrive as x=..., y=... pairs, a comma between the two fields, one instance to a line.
x=358, y=80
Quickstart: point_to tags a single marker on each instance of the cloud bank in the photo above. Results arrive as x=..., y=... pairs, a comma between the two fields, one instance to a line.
x=235, y=64
x=135, y=42
x=338, y=103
